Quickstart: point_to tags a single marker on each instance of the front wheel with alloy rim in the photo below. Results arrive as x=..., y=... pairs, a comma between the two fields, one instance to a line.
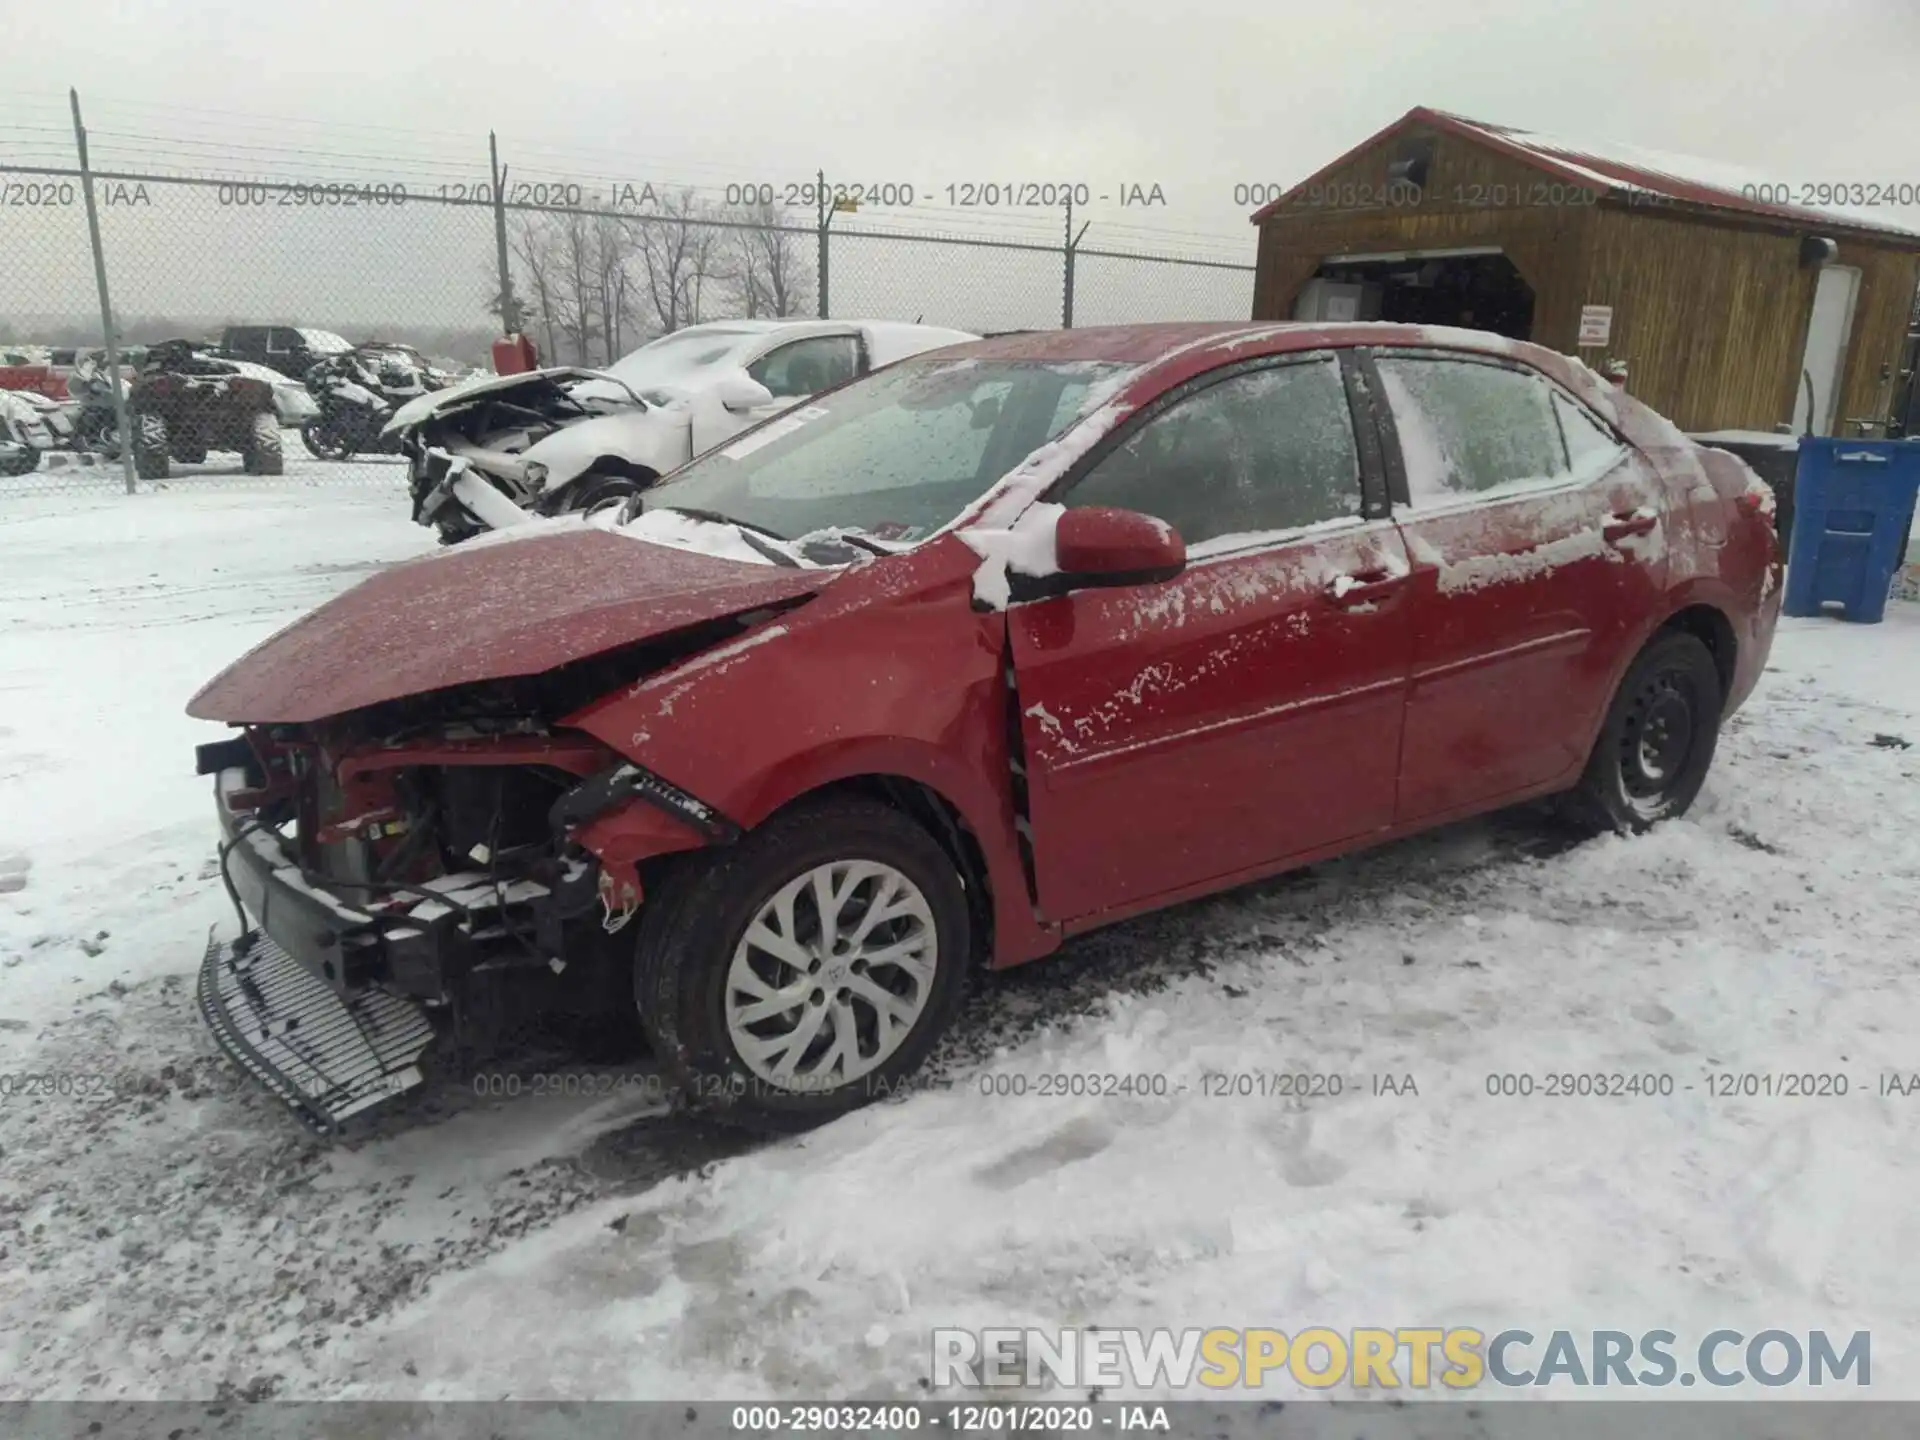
x=1657, y=741
x=807, y=969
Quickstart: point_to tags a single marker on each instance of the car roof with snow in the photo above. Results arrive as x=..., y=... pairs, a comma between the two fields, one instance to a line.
x=1148, y=344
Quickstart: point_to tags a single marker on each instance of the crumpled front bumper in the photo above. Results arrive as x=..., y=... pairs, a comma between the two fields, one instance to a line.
x=327, y=1058
x=277, y=999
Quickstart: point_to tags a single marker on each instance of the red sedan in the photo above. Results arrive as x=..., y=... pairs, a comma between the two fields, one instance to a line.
x=987, y=649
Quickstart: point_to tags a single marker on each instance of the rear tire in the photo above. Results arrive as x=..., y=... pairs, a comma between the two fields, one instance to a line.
x=101, y=435
x=1657, y=741
x=861, y=1002
x=263, y=455
x=152, y=459
x=324, y=441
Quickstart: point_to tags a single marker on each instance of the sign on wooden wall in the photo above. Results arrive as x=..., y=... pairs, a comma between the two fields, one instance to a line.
x=1596, y=324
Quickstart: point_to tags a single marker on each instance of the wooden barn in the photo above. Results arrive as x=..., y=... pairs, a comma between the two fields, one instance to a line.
x=1728, y=303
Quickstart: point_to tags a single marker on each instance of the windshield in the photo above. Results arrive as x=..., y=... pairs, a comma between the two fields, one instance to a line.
x=676, y=356
x=896, y=455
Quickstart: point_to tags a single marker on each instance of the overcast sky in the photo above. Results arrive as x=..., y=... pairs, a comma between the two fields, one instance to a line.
x=1192, y=95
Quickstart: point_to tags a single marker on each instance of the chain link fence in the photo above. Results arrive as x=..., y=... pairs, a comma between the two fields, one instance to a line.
x=225, y=294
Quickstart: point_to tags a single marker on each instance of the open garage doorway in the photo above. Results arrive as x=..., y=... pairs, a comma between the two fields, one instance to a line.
x=1474, y=289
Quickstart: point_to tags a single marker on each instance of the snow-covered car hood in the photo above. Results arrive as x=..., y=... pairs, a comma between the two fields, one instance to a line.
x=439, y=402
x=658, y=438
x=518, y=607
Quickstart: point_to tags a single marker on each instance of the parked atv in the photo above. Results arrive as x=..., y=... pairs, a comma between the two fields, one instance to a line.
x=185, y=403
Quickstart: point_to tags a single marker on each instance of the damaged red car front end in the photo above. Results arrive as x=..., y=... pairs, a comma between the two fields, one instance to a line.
x=986, y=649
x=408, y=818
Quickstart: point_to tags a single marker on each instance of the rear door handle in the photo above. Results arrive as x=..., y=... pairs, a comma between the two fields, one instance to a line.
x=1620, y=527
x=1348, y=591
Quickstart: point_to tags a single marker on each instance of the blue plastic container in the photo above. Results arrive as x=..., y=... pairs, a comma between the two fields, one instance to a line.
x=1853, y=506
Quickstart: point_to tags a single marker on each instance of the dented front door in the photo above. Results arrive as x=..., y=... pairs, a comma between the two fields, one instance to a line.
x=1202, y=729
x=1184, y=732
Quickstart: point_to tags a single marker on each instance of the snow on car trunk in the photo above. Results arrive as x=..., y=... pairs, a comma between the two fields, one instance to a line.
x=1105, y=1140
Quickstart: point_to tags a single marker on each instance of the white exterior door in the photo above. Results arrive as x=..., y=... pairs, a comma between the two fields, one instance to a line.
x=1817, y=388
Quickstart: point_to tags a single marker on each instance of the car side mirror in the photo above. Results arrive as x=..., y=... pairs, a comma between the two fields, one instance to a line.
x=741, y=392
x=1100, y=545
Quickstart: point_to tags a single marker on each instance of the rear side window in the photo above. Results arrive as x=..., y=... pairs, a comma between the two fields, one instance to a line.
x=1467, y=429
x=1266, y=450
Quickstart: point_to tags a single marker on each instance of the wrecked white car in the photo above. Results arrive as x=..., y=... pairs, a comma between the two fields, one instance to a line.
x=503, y=449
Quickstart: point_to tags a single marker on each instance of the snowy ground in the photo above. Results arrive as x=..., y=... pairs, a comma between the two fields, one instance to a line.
x=177, y=1235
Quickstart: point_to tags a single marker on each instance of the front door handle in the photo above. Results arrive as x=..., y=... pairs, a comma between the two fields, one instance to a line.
x=1621, y=527
x=1348, y=591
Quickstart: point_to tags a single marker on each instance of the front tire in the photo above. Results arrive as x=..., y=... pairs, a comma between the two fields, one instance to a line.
x=263, y=455
x=806, y=970
x=152, y=455
x=593, y=493
x=1657, y=741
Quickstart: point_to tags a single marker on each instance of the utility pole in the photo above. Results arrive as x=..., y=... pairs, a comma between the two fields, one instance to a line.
x=1072, y=247
x=509, y=307
x=823, y=217
x=106, y=305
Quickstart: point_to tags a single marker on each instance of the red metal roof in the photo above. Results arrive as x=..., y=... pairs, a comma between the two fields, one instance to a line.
x=1633, y=172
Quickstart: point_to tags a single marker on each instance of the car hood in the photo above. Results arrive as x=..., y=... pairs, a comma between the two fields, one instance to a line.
x=458, y=396
x=659, y=439
x=495, y=611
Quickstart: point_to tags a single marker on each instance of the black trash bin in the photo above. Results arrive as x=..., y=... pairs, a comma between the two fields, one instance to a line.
x=1774, y=459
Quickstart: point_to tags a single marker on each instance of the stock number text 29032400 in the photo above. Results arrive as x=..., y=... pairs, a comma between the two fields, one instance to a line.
x=330, y=196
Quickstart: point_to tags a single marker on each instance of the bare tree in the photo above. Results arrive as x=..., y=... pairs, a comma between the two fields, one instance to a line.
x=766, y=264
x=675, y=252
x=617, y=244
x=531, y=243
x=577, y=290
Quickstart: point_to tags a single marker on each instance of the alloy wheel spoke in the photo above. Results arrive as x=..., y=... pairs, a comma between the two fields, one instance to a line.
x=781, y=947
x=774, y=1002
x=891, y=1008
x=797, y=1041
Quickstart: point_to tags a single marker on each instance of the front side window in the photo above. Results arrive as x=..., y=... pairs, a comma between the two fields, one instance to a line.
x=897, y=454
x=1468, y=429
x=1266, y=450
x=1589, y=446
x=806, y=367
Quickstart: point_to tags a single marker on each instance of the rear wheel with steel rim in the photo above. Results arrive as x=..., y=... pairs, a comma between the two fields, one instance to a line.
x=1657, y=741
x=807, y=969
